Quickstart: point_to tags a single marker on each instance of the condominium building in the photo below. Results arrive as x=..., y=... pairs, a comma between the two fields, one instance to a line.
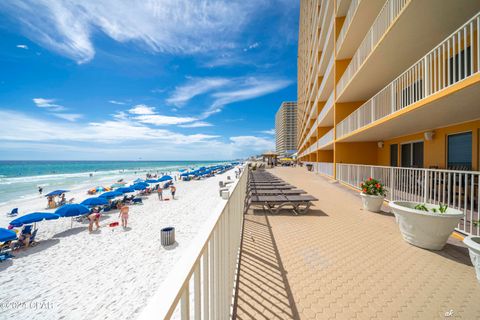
x=391, y=89
x=286, y=129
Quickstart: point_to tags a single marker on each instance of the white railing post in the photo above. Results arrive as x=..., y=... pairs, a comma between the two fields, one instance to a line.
x=185, y=303
x=425, y=185
x=392, y=183
x=426, y=76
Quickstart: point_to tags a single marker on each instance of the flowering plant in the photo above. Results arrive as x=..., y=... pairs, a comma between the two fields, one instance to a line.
x=373, y=187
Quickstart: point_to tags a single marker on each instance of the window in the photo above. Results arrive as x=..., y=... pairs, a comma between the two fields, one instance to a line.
x=457, y=66
x=412, y=155
x=459, y=151
x=394, y=155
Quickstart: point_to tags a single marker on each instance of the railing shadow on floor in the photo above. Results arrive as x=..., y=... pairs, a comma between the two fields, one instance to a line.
x=263, y=290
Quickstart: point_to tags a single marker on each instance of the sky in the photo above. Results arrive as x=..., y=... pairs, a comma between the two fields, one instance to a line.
x=144, y=79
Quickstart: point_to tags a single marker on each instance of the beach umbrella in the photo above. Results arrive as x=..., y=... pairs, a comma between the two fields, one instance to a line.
x=56, y=193
x=125, y=190
x=151, y=181
x=165, y=178
x=72, y=210
x=95, y=201
x=139, y=186
x=7, y=235
x=32, y=218
x=111, y=194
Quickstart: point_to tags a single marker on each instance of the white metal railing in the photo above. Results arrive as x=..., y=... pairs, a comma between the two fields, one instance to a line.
x=326, y=139
x=346, y=23
x=453, y=60
x=457, y=189
x=325, y=168
x=390, y=11
x=203, y=281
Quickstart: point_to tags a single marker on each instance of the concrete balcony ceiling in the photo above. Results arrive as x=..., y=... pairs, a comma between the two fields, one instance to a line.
x=419, y=28
x=358, y=27
x=457, y=105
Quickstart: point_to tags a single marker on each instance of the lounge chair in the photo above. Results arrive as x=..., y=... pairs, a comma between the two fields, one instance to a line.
x=137, y=201
x=274, y=203
x=5, y=256
x=12, y=213
x=19, y=244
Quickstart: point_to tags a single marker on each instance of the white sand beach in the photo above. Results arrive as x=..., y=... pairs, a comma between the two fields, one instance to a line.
x=109, y=274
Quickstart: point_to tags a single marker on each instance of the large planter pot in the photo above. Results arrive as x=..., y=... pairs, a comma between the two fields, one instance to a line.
x=473, y=244
x=372, y=203
x=424, y=229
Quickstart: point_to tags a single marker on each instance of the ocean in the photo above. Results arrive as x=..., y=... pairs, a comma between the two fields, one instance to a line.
x=21, y=179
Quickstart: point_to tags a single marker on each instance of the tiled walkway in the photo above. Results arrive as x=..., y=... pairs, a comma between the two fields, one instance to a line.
x=340, y=262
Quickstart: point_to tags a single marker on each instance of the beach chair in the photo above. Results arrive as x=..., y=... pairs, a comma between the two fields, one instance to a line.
x=12, y=213
x=4, y=256
x=32, y=243
x=300, y=204
x=137, y=201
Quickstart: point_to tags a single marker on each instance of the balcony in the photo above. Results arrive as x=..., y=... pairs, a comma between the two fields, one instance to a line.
x=403, y=32
x=424, y=92
x=326, y=141
x=358, y=20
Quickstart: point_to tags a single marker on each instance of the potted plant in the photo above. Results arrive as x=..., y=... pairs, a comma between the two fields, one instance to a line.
x=373, y=194
x=425, y=225
x=473, y=244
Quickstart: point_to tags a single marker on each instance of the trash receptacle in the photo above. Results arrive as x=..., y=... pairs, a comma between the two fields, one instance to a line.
x=167, y=236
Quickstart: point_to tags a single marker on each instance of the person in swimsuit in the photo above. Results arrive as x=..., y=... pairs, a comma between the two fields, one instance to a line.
x=93, y=217
x=173, y=190
x=160, y=194
x=124, y=215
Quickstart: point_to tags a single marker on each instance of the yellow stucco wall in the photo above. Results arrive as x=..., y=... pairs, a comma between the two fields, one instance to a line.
x=356, y=152
x=435, y=151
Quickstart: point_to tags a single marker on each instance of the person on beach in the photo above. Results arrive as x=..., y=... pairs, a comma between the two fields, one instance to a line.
x=93, y=217
x=173, y=189
x=160, y=194
x=124, y=215
x=40, y=190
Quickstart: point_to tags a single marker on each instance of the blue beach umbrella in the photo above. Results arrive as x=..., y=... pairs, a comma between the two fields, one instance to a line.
x=56, y=193
x=151, y=181
x=111, y=194
x=32, y=218
x=95, y=201
x=7, y=235
x=140, y=186
x=165, y=178
x=72, y=210
x=125, y=190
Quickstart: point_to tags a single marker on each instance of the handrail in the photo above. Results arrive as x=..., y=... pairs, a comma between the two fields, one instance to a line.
x=346, y=24
x=214, y=252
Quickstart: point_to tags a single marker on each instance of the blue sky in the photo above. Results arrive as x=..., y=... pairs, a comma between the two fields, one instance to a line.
x=151, y=79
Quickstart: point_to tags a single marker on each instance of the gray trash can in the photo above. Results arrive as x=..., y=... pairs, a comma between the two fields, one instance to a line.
x=167, y=236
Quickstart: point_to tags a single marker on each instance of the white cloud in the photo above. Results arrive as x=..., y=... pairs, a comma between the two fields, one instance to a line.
x=22, y=46
x=142, y=109
x=72, y=117
x=198, y=124
x=48, y=104
x=256, y=143
x=252, y=46
x=180, y=26
x=117, y=102
x=195, y=87
x=160, y=120
x=271, y=131
x=250, y=88
x=21, y=127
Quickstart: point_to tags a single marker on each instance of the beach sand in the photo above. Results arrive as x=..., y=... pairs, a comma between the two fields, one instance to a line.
x=109, y=274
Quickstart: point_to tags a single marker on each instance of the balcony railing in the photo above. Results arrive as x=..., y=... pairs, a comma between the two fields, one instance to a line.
x=346, y=24
x=208, y=267
x=457, y=189
x=326, y=139
x=453, y=60
x=325, y=168
x=390, y=11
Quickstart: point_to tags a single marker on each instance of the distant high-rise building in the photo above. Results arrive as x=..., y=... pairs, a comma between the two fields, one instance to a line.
x=286, y=129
